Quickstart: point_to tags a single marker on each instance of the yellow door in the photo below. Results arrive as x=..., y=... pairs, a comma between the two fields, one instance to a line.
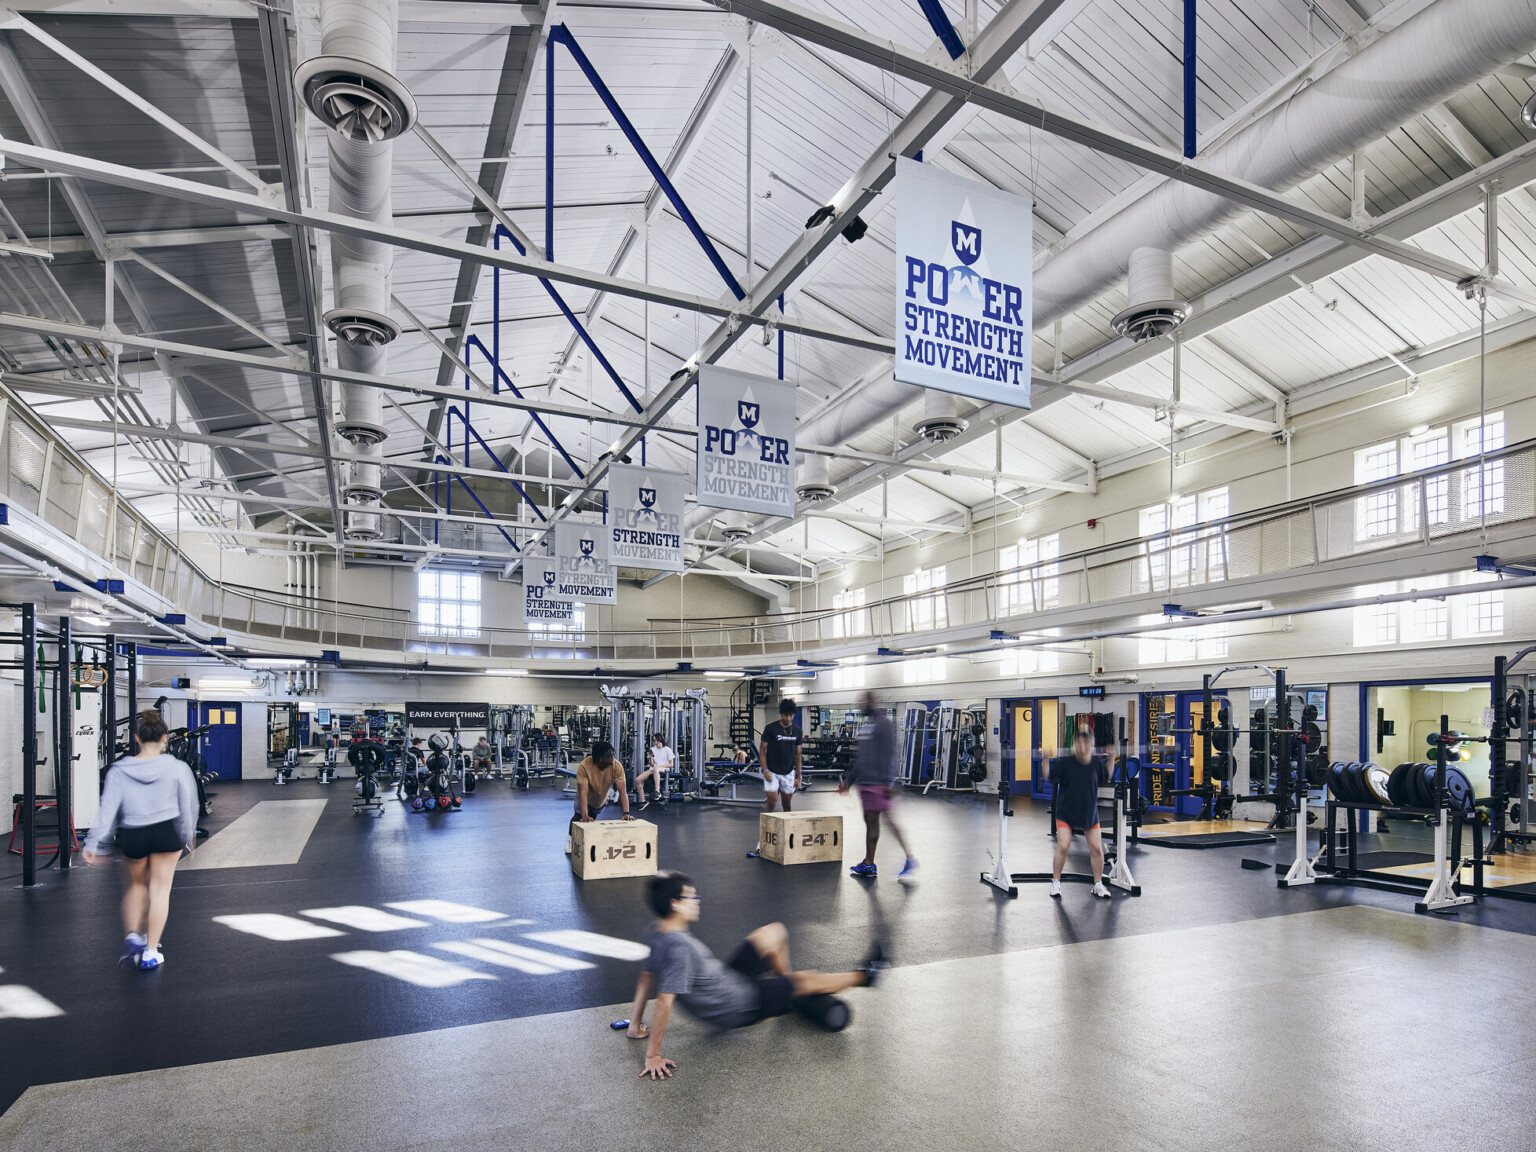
x=1023, y=729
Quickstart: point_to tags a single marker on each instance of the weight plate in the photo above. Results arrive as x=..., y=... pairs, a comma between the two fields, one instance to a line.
x=1376, y=778
x=1354, y=780
x=1311, y=736
x=1397, y=785
x=417, y=804
x=1336, y=780
x=1427, y=785
x=1221, y=766
x=1514, y=708
x=1459, y=788
x=469, y=782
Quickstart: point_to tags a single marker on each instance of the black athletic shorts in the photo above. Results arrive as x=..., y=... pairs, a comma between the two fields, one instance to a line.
x=137, y=843
x=775, y=993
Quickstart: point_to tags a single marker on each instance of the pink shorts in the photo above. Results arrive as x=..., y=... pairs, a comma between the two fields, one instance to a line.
x=875, y=799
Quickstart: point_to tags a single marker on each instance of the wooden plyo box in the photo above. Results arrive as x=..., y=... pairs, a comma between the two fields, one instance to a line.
x=801, y=837
x=605, y=849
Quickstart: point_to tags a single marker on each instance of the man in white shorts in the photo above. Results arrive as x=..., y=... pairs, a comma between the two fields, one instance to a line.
x=783, y=765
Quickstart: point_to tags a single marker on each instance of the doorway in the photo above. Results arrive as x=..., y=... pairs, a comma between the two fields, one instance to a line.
x=1397, y=717
x=221, y=743
x=1031, y=735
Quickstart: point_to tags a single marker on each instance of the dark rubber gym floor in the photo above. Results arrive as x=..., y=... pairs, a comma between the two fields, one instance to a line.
x=226, y=994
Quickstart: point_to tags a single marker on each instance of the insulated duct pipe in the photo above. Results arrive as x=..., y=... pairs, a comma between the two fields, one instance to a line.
x=1409, y=70
x=352, y=88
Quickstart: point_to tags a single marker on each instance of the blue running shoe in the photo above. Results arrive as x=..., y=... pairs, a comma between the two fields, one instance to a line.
x=869, y=871
x=150, y=958
x=133, y=944
x=908, y=871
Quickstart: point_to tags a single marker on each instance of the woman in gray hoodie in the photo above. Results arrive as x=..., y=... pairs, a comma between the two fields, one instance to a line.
x=150, y=802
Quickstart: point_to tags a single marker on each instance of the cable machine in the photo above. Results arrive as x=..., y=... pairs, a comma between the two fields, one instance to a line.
x=683, y=720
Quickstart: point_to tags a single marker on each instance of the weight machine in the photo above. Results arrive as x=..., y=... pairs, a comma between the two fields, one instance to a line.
x=943, y=748
x=683, y=721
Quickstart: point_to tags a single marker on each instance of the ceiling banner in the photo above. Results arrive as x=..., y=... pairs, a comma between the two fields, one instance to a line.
x=746, y=454
x=582, y=569
x=964, y=259
x=541, y=606
x=645, y=517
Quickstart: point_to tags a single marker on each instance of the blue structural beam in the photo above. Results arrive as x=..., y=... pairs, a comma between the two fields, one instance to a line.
x=469, y=430
x=943, y=28
x=1191, y=102
x=440, y=459
x=478, y=344
x=581, y=330
x=560, y=34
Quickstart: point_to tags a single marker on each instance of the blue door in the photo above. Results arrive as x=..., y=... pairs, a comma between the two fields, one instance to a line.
x=221, y=743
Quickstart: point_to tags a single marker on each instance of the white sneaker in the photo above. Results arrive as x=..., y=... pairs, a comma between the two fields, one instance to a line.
x=1055, y=889
x=567, y=845
x=1100, y=891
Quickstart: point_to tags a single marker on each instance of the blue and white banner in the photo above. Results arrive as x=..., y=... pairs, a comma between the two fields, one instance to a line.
x=964, y=255
x=542, y=607
x=746, y=456
x=583, y=572
x=645, y=517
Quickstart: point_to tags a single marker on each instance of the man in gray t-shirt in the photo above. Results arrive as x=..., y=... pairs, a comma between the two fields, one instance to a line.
x=757, y=982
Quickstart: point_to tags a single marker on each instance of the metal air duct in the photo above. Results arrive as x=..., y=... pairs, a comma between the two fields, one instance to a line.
x=1152, y=309
x=816, y=480
x=351, y=85
x=735, y=526
x=941, y=417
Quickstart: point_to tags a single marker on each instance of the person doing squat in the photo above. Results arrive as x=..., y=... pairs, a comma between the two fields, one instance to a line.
x=755, y=984
x=1076, y=779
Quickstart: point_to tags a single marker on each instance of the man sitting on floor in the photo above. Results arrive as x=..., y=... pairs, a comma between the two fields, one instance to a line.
x=756, y=984
x=597, y=778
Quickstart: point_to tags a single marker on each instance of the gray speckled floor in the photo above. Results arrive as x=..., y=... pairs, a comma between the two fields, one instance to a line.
x=1348, y=1028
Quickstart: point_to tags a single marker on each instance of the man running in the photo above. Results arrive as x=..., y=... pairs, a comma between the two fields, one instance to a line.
x=874, y=771
x=783, y=763
x=755, y=984
x=596, y=777
x=1077, y=778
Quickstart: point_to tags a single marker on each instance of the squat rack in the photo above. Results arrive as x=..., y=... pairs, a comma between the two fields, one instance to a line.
x=34, y=673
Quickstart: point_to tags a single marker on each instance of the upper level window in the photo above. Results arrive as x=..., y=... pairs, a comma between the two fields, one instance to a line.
x=851, y=618
x=847, y=677
x=927, y=670
x=928, y=611
x=448, y=603
x=1446, y=499
x=1178, y=553
x=1482, y=487
x=1029, y=579
x=1027, y=662
x=1426, y=619
x=1183, y=645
